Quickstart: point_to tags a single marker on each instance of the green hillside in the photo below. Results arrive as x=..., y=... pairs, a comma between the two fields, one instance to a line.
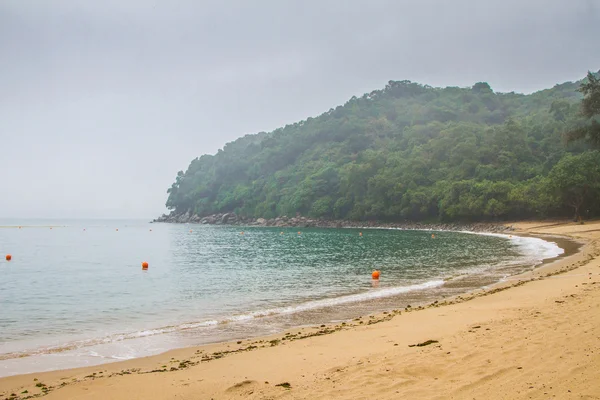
x=406, y=152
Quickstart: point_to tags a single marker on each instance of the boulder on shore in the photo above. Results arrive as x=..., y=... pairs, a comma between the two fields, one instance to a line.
x=228, y=218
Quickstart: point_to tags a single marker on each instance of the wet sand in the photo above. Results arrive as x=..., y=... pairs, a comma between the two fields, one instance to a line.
x=537, y=335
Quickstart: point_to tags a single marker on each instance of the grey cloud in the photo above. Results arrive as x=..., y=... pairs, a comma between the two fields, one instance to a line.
x=102, y=102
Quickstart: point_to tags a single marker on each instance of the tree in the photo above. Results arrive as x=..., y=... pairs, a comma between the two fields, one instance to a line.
x=560, y=109
x=482, y=87
x=590, y=109
x=575, y=181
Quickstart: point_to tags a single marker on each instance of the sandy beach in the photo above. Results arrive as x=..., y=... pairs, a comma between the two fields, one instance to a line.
x=536, y=336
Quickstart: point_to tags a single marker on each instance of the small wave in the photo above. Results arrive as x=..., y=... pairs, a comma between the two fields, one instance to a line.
x=307, y=306
x=107, y=339
x=542, y=249
x=353, y=298
x=536, y=248
x=110, y=357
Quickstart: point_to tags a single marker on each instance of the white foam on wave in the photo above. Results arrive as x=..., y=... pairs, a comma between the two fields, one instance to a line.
x=336, y=301
x=542, y=249
x=158, y=331
x=535, y=249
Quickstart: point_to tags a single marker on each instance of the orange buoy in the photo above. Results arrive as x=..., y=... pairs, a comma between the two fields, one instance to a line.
x=145, y=265
x=299, y=233
x=242, y=232
x=8, y=257
x=432, y=236
x=190, y=231
x=375, y=274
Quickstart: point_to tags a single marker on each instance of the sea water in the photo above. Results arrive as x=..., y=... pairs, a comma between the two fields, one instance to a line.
x=75, y=294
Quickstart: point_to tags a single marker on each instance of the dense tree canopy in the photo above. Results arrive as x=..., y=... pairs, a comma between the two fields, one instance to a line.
x=410, y=152
x=590, y=109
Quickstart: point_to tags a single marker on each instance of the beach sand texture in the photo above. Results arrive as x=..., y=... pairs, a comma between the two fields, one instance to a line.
x=538, y=339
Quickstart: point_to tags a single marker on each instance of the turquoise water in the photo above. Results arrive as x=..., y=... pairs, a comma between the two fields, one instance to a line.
x=75, y=294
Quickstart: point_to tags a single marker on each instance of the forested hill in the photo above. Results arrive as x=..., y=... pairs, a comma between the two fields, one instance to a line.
x=406, y=152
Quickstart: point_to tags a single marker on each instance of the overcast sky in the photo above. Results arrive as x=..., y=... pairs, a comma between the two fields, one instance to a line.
x=102, y=102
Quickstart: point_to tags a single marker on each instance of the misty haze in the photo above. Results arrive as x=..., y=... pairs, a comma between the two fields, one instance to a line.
x=102, y=103
x=284, y=199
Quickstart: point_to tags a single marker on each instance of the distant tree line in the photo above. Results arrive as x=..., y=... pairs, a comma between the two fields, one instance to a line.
x=414, y=152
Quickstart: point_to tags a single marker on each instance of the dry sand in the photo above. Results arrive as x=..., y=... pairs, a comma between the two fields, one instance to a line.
x=538, y=339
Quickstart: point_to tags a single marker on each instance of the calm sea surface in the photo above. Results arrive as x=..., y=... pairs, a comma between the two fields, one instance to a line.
x=74, y=293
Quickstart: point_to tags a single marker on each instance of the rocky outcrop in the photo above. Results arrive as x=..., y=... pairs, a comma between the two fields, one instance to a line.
x=229, y=218
x=304, y=222
x=184, y=218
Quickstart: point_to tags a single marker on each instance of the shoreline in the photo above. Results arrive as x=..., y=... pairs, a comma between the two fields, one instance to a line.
x=568, y=245
x=418, y=295
x=231, y=219
x=195, y=357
